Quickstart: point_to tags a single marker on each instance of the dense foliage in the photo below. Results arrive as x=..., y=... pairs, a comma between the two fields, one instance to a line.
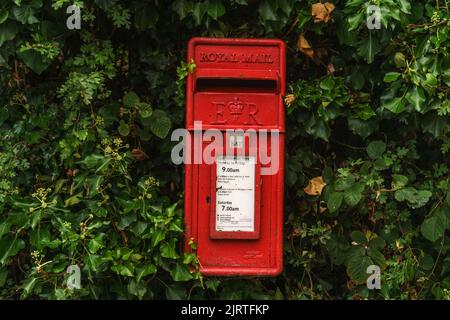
x=85, y=170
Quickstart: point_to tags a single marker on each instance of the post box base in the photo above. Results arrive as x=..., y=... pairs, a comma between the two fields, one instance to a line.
x=240, y=271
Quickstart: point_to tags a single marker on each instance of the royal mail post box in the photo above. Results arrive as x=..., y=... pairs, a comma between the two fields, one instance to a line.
x=235, y=164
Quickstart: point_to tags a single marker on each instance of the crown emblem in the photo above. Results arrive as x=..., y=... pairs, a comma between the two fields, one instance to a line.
x=235, y=107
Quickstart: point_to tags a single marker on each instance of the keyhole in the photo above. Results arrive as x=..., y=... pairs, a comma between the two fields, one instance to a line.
x=208, y=199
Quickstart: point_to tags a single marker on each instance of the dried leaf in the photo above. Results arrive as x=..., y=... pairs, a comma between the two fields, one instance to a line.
x=72, y=173
x=321, y=207
x=330, y=69
x=315, y=186
x=322, y=11
x=304, y=46
x=138, y=154
x=330, y=7
x=289, y=99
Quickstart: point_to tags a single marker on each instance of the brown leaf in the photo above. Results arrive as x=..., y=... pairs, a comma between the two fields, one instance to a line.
x=72, y=173
x=330, y=69
x=289, y=99
x=330, y=7
x=322, y=206
x=138, y=154
x=304, y=46
x=322, y=11
x=315, y=186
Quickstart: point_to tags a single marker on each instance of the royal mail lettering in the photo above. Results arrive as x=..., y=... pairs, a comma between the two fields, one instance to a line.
x=235, y=57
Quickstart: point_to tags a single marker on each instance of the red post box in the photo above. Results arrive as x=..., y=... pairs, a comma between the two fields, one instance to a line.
x=235, y=162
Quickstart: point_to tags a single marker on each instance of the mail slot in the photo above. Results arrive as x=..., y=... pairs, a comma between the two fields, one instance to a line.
x=234, y=187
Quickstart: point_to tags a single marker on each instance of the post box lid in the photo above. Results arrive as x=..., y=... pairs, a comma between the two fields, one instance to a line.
x=238, y=58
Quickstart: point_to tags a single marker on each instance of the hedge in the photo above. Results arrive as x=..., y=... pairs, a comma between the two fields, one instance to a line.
x=85, y=171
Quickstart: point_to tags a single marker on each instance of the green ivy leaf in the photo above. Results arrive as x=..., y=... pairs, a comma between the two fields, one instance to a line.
x=168, y=250
x=317, y=128
x=5, y=226
x=358, y=237
x=446, y=77
x=359, y=259
x=433, y=124
x=93, y=160
x=356, y=21
x=3, y=276
x=8, y=31
x=369, y=48
x=362, y=128
x=157, y=236
x=182, y=8
x=444, y=213
x=175, y=292
x=399, y=181
x=344, y=183
x=405, y=6
x=137, y=288
x=375, y=149
x=4, y=14
x=145, y=110
x=9, y=247
x=131, y=99
x=430, y=82
x=125, y=269
x=327, y=84
x=416, y=97
x=160, y=124
x=145, y=270
x=399, y=60
x=334, y=201
x=25, y=14
x=391, y=76
x=199, y=12
x=96, y=243
x=433, y=228
x=34, y=61
x=124, y=129
x=267, y=10
x=414, y=198
x=377, y=243
x=354, y=194
x=395, y=105
x=216, y=9
x=73, y=200
x=181, y=273
x=28, y=286
x=357, y=264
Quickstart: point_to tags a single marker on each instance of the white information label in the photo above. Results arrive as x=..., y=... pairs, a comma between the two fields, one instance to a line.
x=235, y=194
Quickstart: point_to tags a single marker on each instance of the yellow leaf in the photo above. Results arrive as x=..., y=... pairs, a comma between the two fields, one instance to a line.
x=304, y=47
x=322, y=11
x=315, y=186
x=289, y=99
x=330, y=7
